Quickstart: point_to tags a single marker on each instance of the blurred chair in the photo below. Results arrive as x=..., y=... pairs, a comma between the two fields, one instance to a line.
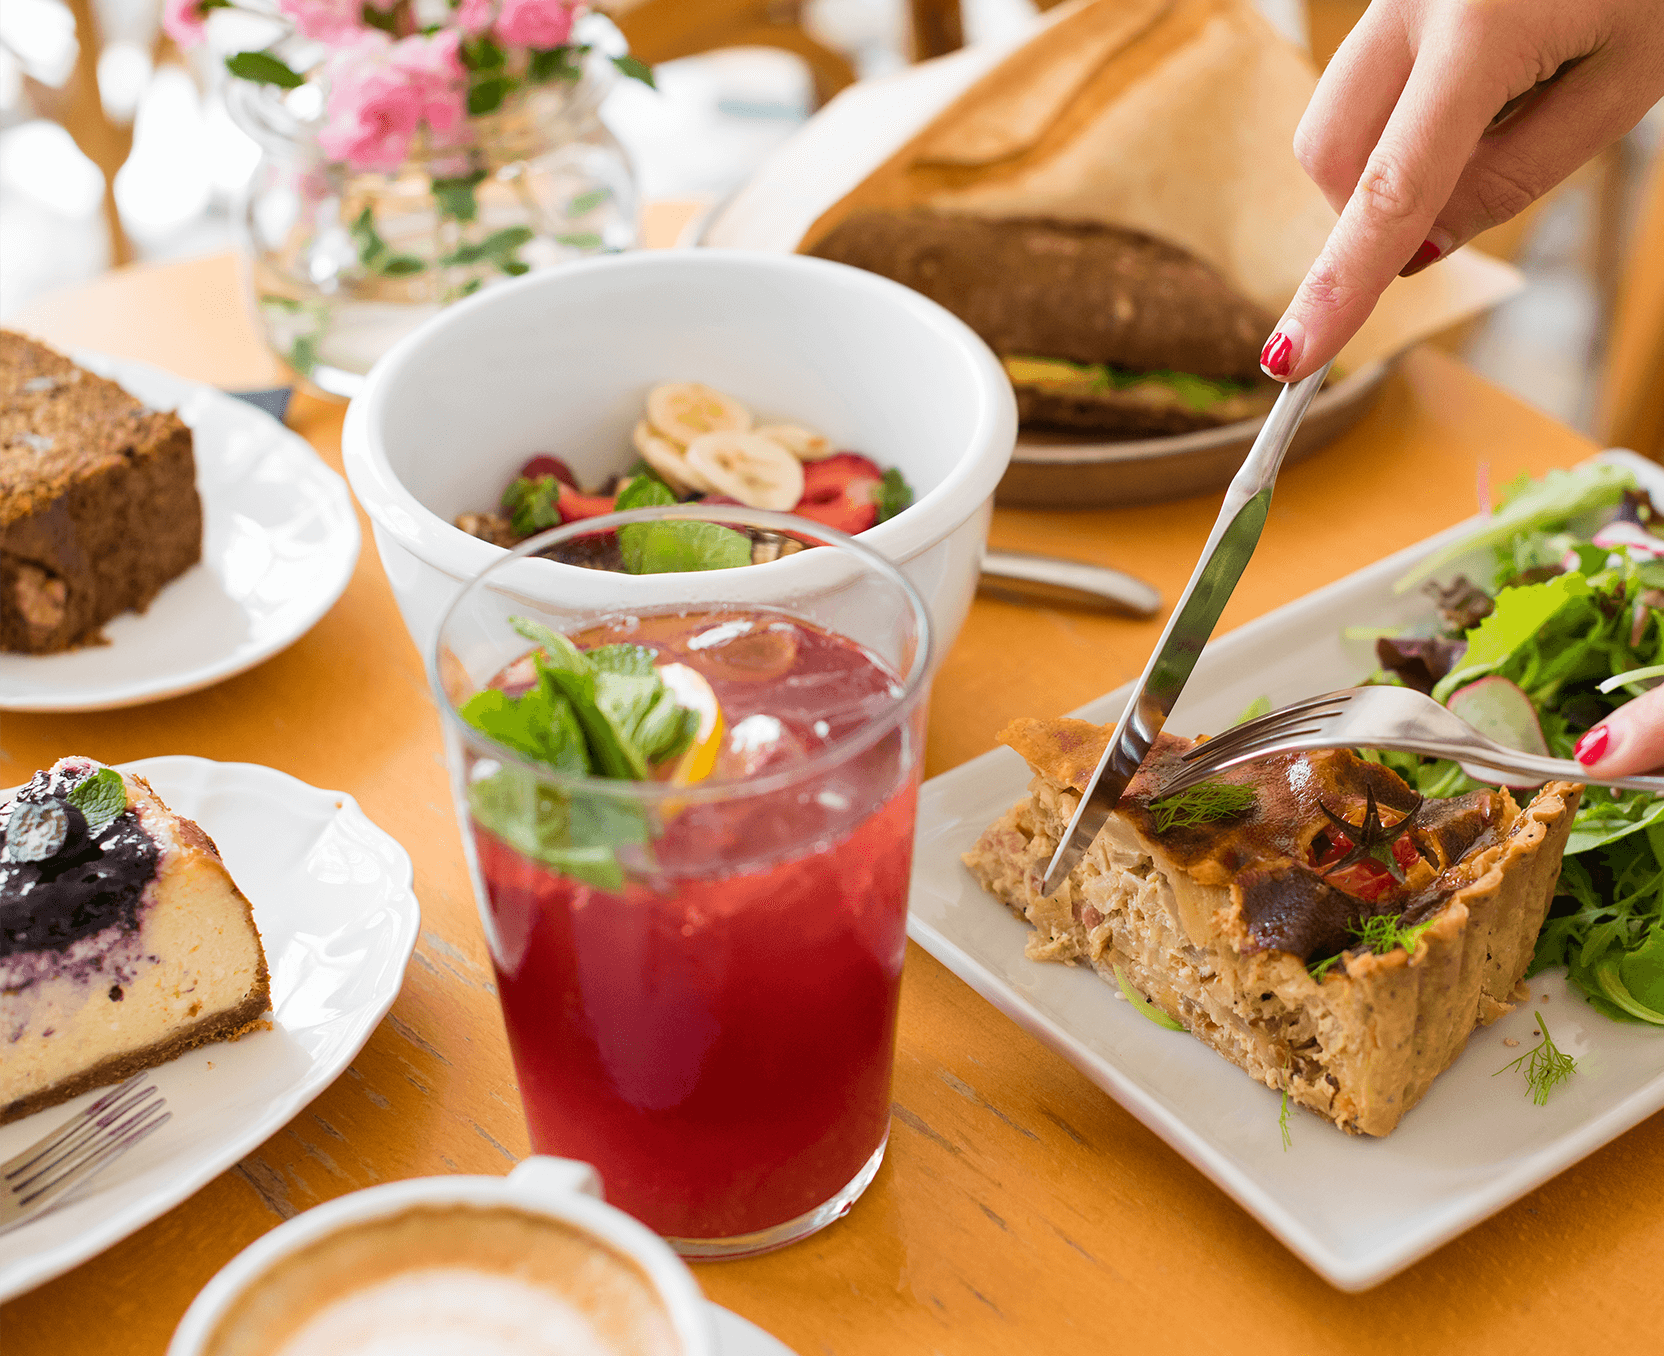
x=77, y=107
x=663, y=30
x=1631, y=409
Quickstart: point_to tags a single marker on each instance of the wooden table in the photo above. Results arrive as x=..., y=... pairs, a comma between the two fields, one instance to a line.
x=1019, y=1210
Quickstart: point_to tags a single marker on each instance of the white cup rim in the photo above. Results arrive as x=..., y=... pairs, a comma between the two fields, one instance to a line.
x=538, y=1186
x=397, y=512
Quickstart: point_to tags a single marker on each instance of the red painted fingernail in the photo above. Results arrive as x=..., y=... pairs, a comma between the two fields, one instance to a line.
x=1424, y=256
x=1592, y=746
x=1277, y=357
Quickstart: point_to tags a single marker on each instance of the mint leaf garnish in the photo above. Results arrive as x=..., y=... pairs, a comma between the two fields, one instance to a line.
x=674, y=547
x=604, y=712
x=100, y=797
x=894, y=494
x=578, y=835
x=533, y=504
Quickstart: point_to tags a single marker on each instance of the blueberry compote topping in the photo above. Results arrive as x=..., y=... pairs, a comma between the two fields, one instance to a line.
x=58, y=881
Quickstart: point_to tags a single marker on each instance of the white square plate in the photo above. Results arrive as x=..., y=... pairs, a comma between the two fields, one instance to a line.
x=1357, y=1210
x=332, y=898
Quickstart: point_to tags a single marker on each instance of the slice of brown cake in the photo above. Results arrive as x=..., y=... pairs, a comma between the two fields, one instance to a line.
x=98, y=501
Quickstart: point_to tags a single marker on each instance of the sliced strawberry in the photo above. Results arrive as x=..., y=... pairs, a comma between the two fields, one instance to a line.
x=823, y=479
x=575, y=505
x=841, y=491
x=545, y=465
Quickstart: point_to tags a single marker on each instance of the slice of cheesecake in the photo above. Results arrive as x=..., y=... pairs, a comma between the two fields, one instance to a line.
x=123, y=941
x=1311, y=918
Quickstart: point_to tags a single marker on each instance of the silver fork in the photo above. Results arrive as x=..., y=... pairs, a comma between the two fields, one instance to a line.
x=1383, y=718
x=85, y=1144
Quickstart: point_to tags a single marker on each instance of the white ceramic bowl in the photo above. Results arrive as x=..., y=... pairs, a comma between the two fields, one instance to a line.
x=561, y=362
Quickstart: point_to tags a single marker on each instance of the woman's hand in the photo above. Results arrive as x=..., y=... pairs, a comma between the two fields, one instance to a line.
x=1629, y=741
x=1440, y=118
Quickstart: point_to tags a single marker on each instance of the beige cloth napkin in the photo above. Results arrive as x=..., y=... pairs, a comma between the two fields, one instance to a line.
x=1174, y=118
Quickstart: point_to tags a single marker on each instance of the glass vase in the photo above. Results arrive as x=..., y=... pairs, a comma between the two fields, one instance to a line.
x=342, y=263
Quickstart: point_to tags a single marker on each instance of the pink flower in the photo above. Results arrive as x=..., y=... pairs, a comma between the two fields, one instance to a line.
x=183, y=21
x=332, y=21
x=534, y=23
x=382, y=92
x=473, y=17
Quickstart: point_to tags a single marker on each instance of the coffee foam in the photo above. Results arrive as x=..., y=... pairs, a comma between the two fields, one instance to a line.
x=450, y=1281
x=450, y=1311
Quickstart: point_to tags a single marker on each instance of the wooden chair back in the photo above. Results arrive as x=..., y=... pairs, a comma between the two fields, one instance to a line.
x=1631, y=407
x=663, y=30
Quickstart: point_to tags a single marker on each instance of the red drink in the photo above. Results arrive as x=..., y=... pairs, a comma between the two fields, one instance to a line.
x=717, y=1036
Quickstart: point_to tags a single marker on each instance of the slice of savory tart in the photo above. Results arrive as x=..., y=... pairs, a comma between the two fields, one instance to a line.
x=1309, y=916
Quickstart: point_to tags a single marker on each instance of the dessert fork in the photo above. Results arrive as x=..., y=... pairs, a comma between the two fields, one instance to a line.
x=82, y=1146
x=1384, y=718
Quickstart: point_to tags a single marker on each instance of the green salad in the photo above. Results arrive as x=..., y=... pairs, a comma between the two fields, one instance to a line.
x=1565, y=624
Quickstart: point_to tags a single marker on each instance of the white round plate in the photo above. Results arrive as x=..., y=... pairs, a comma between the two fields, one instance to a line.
x=333, y=901
x=279, y=542
x=736, y=1336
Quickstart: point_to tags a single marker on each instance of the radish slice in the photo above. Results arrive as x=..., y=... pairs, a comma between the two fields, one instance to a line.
x=1642, y=545
x=1500, y=710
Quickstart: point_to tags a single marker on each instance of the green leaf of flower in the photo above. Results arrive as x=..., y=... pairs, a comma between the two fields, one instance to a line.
x=553, y=63
x=636, y=69
x=580, y=240
x=456, y=196
x=487, y=95
x=587, y=202
x=264, y=69
x=400, y=266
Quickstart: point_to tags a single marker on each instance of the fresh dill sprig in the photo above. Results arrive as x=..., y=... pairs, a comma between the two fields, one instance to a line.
x=1381, y=934
x=1384, y=933
x=1282, y=1123
x=1547, y=1066
x=1202, y=804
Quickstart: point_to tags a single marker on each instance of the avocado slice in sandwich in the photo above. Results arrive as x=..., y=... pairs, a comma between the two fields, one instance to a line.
x=1101, y=330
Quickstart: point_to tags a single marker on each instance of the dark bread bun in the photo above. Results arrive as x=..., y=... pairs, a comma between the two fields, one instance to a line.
x=1082, y=292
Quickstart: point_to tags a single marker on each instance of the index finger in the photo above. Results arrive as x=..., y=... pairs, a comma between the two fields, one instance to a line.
x=1388, y=219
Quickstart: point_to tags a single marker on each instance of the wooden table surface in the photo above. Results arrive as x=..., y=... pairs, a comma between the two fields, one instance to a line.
x=1019, y=1209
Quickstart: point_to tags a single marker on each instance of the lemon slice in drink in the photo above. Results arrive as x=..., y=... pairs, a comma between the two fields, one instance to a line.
x=689, y=688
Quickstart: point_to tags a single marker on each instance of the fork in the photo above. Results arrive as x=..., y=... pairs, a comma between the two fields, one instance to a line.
x=1383, y=718
x=82, y=1146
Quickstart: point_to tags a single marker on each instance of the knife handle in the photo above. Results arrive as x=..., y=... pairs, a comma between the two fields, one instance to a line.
x=1051, y=579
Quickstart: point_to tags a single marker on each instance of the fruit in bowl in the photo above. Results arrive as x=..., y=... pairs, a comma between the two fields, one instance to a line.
x=450, y=416
x=698, y=444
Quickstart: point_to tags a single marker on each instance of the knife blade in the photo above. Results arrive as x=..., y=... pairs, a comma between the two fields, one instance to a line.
x=1229, y=548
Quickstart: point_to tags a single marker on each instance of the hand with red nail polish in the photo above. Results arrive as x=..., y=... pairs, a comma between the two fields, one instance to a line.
x=1439, y=118
x=1630, y=740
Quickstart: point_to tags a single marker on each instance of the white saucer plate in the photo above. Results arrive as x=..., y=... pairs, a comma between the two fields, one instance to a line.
x=1355, y=1209
x=736, y=1336
x=332, y=898
x=280, y=539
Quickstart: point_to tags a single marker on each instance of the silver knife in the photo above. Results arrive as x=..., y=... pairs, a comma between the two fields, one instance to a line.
x=1224, y=558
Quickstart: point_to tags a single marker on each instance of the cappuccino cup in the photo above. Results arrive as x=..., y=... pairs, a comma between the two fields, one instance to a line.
x=532, y=1264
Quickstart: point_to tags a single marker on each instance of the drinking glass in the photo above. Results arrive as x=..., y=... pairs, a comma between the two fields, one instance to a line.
x=700, y=976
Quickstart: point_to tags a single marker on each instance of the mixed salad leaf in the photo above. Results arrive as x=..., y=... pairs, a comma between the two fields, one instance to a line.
x=604, y=712
x=1575, y=623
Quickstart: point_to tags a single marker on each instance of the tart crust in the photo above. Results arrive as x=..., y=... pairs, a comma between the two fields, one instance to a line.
x=1361, y=1045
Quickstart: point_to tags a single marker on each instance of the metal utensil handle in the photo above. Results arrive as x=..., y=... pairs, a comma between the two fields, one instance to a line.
x=1241, y=519
x=1071, y=580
